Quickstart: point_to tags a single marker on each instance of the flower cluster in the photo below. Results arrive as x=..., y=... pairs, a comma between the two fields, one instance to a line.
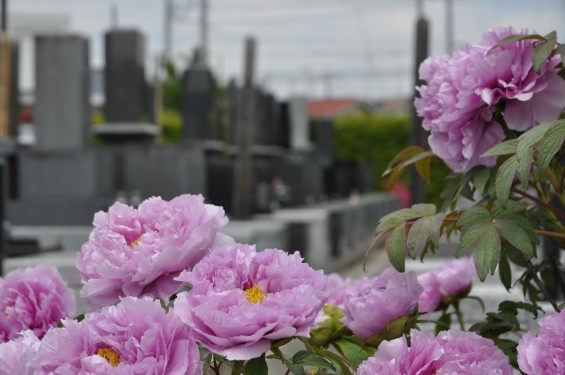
x=392, y=294
x=33, y=298
x=241, y=300
x=461, y=102
x=544, y=354
x=170, y=294
x=446, y=283
x=137, y=252
x=451, y=352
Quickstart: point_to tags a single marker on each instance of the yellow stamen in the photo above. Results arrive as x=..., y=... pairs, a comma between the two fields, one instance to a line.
x=135, y=242
x=254, y=294
x=109, y=355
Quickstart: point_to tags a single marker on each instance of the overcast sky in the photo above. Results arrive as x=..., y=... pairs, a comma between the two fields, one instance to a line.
x=338, y=48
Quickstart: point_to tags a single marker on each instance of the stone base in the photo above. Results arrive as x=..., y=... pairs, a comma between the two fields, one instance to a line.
x=126, y=132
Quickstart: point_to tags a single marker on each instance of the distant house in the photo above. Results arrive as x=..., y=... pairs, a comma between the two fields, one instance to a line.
x=327, y=109
x=332, y=108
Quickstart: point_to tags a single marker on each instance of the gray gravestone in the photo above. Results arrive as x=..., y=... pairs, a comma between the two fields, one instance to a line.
x=299, y=126
x=325, y=139
x=265, y=129
x=124, y=78
x=14, y=91
x=62, y=107
x=197, y=103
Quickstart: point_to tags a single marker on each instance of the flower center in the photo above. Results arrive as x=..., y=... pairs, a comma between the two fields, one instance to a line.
x=254, y=294
x=135, y=242
x=109, y=355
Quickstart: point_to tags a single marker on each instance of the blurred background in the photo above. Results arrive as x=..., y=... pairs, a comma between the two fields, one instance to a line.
x=284, y=112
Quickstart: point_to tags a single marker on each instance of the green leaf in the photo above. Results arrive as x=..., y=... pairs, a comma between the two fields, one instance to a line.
x=533, y=136
x=486, y=252
x=480, y=180
x=560, y=50
x=505, y=272
x=515, y=236
x=396, y=218
x=525, y=164
x=424, y=229
x=410, y=155
x=295, y=369
x=256, y=366
x=515, y=38
x=504, y=148
x=550, y=145
x=395, y=246
x=474, y=215
x=305, y=358
x=423, y=168
x=445, y=320
x=505, y=178
x=542, y=52
x=353, y=351
x=524, y=224
x=514, y=305
x=483, y=240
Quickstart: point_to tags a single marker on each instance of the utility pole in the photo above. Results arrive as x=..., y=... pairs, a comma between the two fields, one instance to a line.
x=244, y=169
x=114, y=16
x=168, y=15
x=5, y=60
x=449, y=26
x=418, y=134
x=204, y=32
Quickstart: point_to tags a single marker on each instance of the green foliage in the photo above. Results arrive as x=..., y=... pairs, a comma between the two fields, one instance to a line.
x=97, y=117
x=171, y=125
x=378, y=138
x=172, y=88
x=371, y=137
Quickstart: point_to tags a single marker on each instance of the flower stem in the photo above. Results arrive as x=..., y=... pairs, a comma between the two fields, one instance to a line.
x=539, y=201
x=550, y=233
x=541, y=287
x=459, y=315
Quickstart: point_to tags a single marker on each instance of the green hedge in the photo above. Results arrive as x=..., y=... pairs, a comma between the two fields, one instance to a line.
x=378, y=137
x=171, y=125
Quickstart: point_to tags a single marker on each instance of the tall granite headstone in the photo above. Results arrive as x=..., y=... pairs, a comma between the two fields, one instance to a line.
x=299, y=126
x=197, y=103
x=62, y=107
x=124, y=79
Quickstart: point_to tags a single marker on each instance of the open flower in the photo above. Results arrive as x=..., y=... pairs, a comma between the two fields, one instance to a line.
x=445, y=283
x=544, y=354
x=241, y=300
x=34, y=298
x=466, y=353
x=451, y=352
x=16, y=354
x=462, y=95
x=137, y=252
x=136, y=336
x=381, y=300
x=396, y=357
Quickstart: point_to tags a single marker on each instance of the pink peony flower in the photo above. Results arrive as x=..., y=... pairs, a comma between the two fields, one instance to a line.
x=466, y=353
x=136, y=336
x=241, y=300
x=381, y=300
x=544, y=354
x=340, y=288
x=396, y=357
x=450, y=353
x=452, y=279
x=33, y=298
x=139, y=252
x=463, y=92
x=16, y=354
